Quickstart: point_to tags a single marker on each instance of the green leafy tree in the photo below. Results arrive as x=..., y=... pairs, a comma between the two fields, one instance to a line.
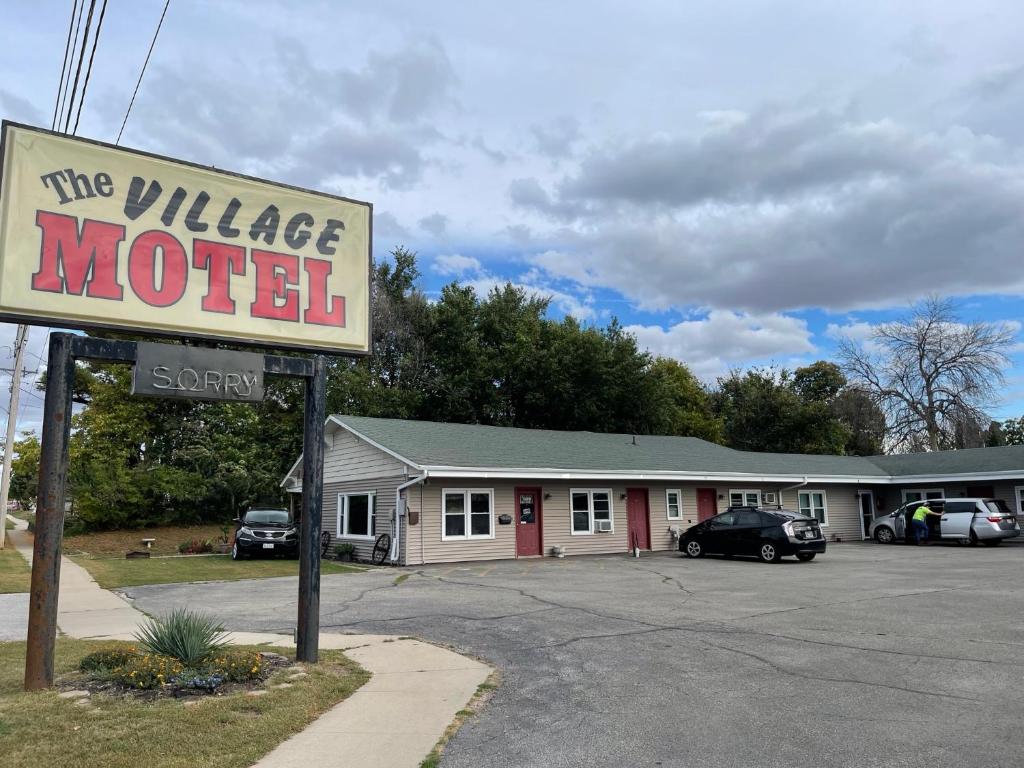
x=685, y=406
x=25, y=471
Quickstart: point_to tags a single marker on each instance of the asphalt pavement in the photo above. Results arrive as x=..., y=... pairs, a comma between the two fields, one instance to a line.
x=868, y=656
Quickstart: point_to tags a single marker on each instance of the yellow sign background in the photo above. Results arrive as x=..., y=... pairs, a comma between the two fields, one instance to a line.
x=30, y=153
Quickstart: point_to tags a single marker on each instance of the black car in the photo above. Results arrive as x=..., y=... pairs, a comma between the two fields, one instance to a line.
x=265, y=531
x=769, y=534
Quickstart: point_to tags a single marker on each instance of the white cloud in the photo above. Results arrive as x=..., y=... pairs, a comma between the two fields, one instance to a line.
x=724, y=339
x=854, y=330
x=787, y=209
x=455, y=264
x=579, y=307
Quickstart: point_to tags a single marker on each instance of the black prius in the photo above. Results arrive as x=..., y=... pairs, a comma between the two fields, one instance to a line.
x=769, y=534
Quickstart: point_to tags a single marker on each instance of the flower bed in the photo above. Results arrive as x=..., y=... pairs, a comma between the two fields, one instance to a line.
x=136, y=673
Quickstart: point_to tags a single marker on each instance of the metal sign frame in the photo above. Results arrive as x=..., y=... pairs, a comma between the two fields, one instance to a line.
x=64, y=349
x=165, y=334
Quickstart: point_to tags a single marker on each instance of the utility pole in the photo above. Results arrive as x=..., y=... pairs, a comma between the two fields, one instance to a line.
x=12, y=429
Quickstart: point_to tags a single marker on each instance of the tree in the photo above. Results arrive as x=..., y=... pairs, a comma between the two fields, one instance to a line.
x=767, y=410
x=929, y=373
x=685, y=404
x=25, y=471
x=865, y=421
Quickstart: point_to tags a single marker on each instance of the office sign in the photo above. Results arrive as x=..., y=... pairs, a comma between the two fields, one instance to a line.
x=94, y=236
x=171, y=370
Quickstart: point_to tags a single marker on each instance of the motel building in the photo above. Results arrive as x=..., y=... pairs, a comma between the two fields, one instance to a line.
x=460, y=492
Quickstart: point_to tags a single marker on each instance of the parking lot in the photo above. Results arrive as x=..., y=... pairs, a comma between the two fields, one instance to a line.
x=869, y=656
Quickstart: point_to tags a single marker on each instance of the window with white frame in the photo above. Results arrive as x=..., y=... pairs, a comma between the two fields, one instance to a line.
x=588, y=507
x=1018, y=494
x=357, y=515
x=467, y=513
x=674, y=503
x=812, y=504
x=920, y=494
x=744, y=498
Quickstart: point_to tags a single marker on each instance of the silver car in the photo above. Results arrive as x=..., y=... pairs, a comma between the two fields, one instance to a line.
x=965, y=520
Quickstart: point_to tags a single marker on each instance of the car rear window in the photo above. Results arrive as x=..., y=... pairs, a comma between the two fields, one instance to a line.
x=998, y=506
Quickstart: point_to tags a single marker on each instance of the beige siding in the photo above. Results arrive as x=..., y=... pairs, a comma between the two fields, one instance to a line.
x=354, y=466
x=349, y=458
x=383, y=488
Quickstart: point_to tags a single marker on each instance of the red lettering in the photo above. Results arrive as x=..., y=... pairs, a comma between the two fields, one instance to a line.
x=318, y=311
x=222, y=261
x=274, y=273
x=142, y=268
x=67, y=258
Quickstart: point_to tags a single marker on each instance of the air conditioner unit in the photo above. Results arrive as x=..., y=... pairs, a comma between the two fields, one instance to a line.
x=770, y=498
x=603, y=526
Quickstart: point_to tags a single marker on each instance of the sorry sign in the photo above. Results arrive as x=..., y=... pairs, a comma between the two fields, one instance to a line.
x=93, y=236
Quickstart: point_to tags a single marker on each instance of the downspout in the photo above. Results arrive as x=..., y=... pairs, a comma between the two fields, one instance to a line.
x=792, y=488
x=396, y=547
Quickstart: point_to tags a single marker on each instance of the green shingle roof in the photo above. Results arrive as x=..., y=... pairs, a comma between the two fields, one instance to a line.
x=436, y=444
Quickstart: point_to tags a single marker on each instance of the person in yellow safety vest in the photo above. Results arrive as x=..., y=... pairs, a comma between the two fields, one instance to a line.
x=920, y=522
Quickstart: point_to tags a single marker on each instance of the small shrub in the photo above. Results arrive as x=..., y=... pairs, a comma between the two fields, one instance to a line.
x=199, y=680
x=191, y=638
x=234, y=666
x=147, y=672
x=106, y=659
x=195, y=547
x=345, y=549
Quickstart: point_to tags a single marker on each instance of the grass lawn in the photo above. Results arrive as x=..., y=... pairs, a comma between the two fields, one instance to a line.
x=118, y=572
x=39, y=729
x=14, y=571
x=117, y=543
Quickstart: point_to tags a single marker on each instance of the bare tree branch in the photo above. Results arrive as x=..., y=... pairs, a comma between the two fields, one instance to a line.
x=932, y=375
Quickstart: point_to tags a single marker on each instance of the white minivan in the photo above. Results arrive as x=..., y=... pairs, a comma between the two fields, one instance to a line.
x=968, y=521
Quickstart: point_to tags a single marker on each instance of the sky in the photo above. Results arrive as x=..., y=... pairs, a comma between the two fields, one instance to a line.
x=739, y=183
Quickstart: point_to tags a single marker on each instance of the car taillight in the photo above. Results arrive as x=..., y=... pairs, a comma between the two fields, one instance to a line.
x=995, y=518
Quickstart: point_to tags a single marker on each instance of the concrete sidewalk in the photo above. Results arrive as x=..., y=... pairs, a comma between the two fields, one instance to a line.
x=394, y=721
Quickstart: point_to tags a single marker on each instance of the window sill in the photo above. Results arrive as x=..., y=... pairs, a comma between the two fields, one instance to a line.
x=354, y=537
x=468, y=538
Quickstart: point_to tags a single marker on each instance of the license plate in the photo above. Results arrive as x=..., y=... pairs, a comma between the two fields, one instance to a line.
x=268, y=546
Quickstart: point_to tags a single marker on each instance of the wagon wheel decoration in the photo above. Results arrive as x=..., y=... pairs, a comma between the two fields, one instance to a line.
x=325, y=543
x=381, y=548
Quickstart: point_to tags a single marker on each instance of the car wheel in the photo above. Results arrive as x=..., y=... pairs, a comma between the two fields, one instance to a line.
x=769, y=553
x=885, y=535
x=992, y=542
x=694, y=549
x=235, y=553
x=805, y=557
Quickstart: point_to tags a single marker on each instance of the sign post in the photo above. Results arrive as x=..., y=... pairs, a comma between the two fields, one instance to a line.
x=49, y=527
x=97, y=237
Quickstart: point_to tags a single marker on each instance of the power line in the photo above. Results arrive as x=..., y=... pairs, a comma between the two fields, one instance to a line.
x=143, y=72
x=71, y=60
x=78, y=71
x=88, y=70
x=64, y=66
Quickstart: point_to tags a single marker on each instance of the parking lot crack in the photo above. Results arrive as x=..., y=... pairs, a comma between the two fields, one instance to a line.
x=847, y=680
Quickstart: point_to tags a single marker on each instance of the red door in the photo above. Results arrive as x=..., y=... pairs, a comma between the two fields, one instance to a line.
x=528, y=522
x=638, y=518
x=706, y=506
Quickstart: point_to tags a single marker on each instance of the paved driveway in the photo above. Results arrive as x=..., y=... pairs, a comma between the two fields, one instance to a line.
x=869, y=656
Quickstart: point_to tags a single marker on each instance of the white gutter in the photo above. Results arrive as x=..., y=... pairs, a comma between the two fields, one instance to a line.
x=791, y=488
x=396, y=544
